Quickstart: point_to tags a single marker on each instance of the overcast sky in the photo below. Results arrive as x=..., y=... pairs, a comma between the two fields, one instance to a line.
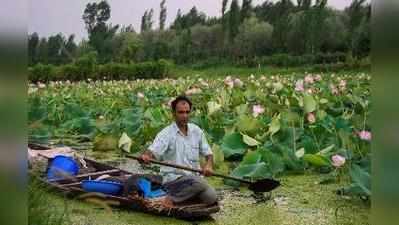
x=48, y=17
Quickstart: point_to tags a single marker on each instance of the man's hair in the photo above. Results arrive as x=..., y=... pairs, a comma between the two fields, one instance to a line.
x=180, y=99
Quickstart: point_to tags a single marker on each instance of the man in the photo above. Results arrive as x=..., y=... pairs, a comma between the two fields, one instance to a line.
x=181, y=143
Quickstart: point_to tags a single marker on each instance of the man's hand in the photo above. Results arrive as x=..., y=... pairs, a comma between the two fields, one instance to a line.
x=146, y=158
x=207, y=171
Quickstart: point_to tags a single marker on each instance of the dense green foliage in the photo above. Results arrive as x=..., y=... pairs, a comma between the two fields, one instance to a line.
x=243, y=33
x=267, y=125
x=86, y=68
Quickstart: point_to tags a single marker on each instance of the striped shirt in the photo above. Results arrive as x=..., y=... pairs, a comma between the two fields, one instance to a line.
x=171, y=145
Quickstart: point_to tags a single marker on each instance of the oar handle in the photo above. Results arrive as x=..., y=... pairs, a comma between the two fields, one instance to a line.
x=189, y=169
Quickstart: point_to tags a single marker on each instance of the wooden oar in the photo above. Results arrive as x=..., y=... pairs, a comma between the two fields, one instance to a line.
x=263, y=185
x=74, y=178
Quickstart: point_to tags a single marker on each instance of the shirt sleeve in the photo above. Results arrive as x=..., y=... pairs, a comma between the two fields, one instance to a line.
x=160, y=145
x=204, y=146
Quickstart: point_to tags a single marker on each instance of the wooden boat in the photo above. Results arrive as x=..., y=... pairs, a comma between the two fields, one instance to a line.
x=71, y=186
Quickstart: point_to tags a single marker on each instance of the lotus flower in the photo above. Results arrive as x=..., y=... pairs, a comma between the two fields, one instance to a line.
x=338, y=161
x=204, y=83
x=193, y=91
x=229, y=82
x=257, y=109
x=32, y=90
x=278, y=86
x=317, y=77
x=309, y=79
x=299, y=86
x=364, y=135
x=140, y=95
x=342, y=85
x=238, y=82
x=41, y=85
x=311, y=117
x=334, y=89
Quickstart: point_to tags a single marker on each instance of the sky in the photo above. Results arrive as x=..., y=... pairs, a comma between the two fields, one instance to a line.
x=49, y=17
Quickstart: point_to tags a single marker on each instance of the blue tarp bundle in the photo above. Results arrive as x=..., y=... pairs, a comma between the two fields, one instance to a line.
x=145, y=187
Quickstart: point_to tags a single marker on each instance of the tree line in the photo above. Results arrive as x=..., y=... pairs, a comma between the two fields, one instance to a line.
x=242, y=33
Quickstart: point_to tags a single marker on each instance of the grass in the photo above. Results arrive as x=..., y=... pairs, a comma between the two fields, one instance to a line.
x=42, y=210
x=299, y=201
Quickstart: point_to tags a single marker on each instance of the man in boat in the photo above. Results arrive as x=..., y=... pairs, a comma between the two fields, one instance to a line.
x=182, y=143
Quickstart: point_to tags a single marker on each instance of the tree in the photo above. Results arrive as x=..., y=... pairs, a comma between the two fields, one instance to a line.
x=224, y=6
x=33, y=45
x=146, y=21
x=100, y=33
x=254, y=39
x=70, y=48
x=245, y=10
x=96, y=15
x=183, y=47
x=177, y=24
x=356, y=11
x=267, y=11
x=127, y=29
x=359, y=14
x=54, y=45
x=361, y=38
x=150, y=21
x=126, y=47
x=206, y=40
x=143, y=26
x=307, y=26
x=335, y=33
x=304, y=4
x=188, y=20
x=43, y=51
x=234, y=19
x=282, y=11
x=162, y=15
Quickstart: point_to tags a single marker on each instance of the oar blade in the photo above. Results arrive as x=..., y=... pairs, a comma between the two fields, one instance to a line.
x=264, y=185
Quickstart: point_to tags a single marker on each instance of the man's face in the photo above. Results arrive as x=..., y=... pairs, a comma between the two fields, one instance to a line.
x=182, y=113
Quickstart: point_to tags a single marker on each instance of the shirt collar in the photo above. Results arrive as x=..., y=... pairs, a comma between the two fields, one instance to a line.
x=177, y=130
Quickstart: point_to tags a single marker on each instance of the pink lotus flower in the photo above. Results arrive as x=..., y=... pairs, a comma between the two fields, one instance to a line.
x=364, y=135
x=311, y=117
x=238, y=82
x=309, y=79
x=204, y=83
x=257, y=109
x=299, y=86
x=317, y=77
x=334, y=89
x=41, y=85
x=342, y=85
x=229, y=82
x=338, y=161
x=193, y=91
